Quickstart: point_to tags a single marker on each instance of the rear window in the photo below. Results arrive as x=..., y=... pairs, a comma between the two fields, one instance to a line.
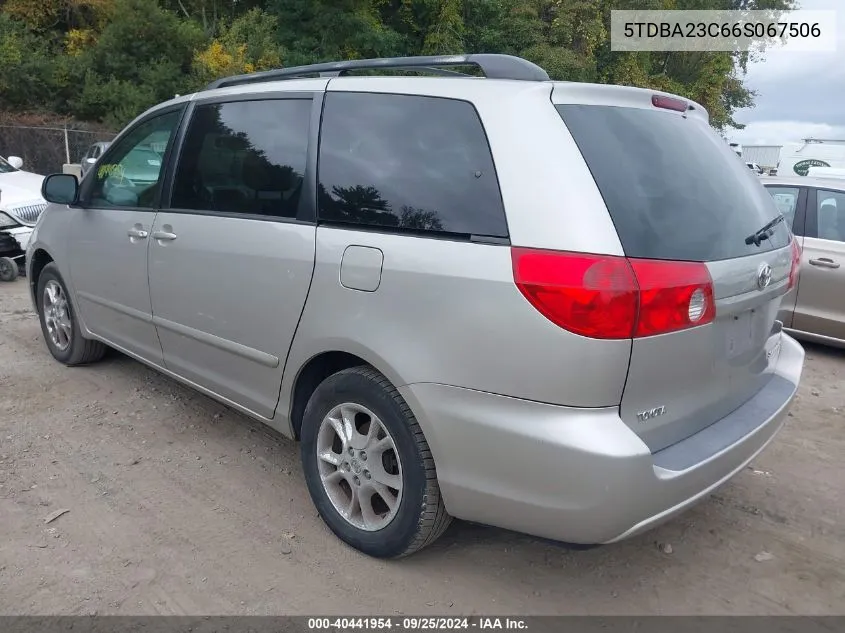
x=674, y=189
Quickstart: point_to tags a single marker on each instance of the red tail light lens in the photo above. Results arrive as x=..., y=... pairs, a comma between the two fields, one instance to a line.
x=796, y=263
x=590, y=295
x=673, y=296
x=668, y=103
x=610, y=297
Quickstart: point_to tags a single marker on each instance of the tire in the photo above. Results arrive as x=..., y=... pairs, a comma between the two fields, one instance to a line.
x=79, y=350
x=8, y=269
x=419, y=516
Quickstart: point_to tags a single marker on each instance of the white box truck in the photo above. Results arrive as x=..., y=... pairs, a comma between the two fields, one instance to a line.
x=798, y=158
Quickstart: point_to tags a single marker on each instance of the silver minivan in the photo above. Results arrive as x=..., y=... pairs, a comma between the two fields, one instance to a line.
x=545, y=306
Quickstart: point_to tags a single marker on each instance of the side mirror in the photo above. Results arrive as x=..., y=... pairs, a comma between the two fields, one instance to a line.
x=60, y=189
x=90, y=161
x=15, y=161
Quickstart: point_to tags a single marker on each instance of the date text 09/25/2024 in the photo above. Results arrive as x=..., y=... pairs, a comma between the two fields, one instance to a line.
x=415, y=624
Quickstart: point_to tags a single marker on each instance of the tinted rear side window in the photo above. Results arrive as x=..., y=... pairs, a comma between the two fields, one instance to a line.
x=419, y=164
x=674, y=189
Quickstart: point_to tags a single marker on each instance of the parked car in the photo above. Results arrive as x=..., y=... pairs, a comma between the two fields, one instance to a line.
x=20, y=206
x=514, y=301
x=21, y=192
x=89, y=159
x=815, y=209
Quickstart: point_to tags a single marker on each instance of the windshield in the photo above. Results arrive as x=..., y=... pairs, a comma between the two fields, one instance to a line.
x=5, y=168
x=673, y=188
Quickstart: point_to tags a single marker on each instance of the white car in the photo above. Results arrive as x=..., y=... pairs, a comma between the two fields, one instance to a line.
x=20, y=206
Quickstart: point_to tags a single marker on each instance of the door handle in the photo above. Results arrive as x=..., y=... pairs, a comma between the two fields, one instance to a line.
x=824, y=262
x=164, y=236
x=137, y=233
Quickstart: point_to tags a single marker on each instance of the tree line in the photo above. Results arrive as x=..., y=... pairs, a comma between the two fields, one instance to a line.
x=108, y=60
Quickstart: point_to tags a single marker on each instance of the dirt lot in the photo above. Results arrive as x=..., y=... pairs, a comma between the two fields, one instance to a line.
x=179, y=506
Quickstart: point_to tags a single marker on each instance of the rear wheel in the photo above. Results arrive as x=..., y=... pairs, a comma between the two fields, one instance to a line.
x=59, y=324
x=368, y=466
x=8, y=269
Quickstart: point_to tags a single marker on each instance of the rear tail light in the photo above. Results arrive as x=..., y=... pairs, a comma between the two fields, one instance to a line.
x=796, y=263
x=609, y=297
x=673, y=296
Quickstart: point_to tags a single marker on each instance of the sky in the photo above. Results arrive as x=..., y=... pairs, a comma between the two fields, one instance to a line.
x=800, y=94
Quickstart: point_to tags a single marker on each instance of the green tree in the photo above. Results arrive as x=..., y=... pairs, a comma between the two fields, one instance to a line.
x=143, y=56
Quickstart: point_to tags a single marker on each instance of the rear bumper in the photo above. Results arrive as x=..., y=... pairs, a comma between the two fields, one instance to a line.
x=582, y=475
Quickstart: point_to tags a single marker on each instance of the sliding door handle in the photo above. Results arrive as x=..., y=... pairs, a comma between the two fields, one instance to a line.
x=824, y=262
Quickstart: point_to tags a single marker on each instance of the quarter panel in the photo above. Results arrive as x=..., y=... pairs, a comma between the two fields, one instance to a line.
x=449, y=312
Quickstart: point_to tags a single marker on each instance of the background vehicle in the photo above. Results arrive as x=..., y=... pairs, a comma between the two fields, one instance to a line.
x=580, y=363
x=797, y=158
x=20, y=192
x=815, y=208
x=20, y=206
x=14, y=238
x=826, y=172
x=92, y=154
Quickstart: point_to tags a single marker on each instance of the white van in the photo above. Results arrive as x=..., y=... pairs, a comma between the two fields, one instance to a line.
x=826, y=172
x=799, y=158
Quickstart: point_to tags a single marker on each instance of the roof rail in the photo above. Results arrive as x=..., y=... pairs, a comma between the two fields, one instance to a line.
x=493, y=66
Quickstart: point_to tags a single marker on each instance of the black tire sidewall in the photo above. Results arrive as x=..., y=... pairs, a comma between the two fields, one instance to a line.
x=350, y=386
x=50, y=272
x=8, y=261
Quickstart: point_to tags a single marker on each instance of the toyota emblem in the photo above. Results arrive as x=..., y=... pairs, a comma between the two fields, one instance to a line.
x=764, y=276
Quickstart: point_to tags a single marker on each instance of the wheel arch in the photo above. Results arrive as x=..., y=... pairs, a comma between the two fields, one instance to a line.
x=40, y=258
x=318, y=366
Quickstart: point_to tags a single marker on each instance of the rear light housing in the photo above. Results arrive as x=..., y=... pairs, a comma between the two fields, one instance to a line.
x=669, y=103
x=796, y=263
x=609, y=297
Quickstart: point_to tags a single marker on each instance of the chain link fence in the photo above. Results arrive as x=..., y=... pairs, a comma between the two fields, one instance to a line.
x=45, y=148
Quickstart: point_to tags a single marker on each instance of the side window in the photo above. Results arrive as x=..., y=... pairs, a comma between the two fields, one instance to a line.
x=786, y=201
x=131, y=172
x=407, y=162
x=244, y=157
x=830, y=208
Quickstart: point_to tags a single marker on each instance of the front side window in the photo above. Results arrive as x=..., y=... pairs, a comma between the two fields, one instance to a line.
x=831, y=215
x=786, y=201
x=419, y=164
x=130, y=176
x=244, y=157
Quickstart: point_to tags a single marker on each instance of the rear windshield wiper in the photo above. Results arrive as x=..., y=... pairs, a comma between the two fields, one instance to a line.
x=765, y=232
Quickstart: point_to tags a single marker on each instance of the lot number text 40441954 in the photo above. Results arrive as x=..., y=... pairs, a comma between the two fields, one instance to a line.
x=415, y=624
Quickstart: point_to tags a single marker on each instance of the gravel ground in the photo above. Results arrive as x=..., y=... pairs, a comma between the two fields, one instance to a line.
x=177, y=505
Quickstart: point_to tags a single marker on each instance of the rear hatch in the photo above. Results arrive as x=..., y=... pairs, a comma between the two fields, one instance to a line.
x=676, y=192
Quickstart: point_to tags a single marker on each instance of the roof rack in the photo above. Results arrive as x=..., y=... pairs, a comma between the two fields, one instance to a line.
x=493, y=66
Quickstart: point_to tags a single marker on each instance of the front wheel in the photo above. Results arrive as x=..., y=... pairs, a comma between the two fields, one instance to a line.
x=59, y=324
x=368, y=466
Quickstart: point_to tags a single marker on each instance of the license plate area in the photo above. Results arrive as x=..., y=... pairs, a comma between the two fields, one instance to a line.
x=739, y=334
